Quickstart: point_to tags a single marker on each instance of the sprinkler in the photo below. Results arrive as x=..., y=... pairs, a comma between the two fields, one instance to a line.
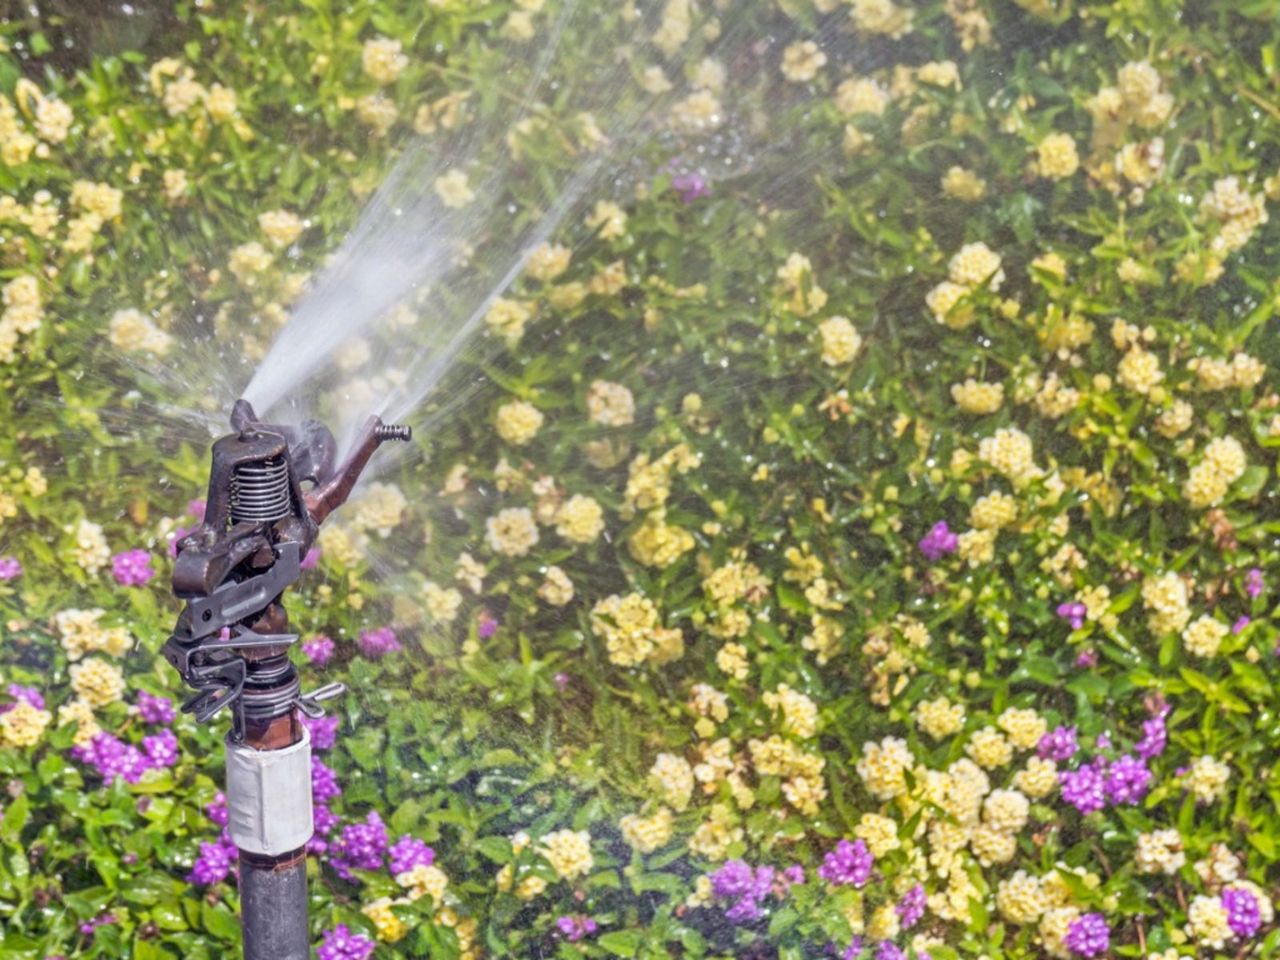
x=270, y=488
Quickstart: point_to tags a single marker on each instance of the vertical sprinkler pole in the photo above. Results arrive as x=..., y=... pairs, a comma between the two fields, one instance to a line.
x=231, y=644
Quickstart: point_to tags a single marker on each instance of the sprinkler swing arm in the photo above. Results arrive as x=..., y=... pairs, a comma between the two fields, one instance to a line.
x=231, y=645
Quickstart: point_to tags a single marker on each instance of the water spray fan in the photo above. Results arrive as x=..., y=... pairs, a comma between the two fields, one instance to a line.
x=270, y=488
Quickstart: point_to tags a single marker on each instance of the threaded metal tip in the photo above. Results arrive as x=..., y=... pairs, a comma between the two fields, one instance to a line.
x=392, y=431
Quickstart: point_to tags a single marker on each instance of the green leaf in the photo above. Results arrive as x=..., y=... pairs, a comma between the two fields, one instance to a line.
x=622, y=943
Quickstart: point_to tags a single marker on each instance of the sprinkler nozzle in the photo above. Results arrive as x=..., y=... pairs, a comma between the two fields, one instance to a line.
x=393, y=431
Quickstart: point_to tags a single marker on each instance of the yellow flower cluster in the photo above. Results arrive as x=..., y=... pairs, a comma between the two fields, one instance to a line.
x=973, y=266
x=840, y=341
x=799, y=713
x=442, y=602
x=801, y=61
x=568, y=852
x=1223, y=463
x=556, y=588
x=507, y=318
x=89, y=548
x=580, y=519
x=798, y=289
x=1235, y=212
x=23, y=724
x=801, y=772
x=382, y=60
x=649, y=481
x=1203, y=636
x=632, y=632
x=859, y=96
x=610, y=404
x=656, y=543
x=380, y=509
x=1165, y=598
x=511, y=532
x=962, y=184
x=883, y=17
x=973, y=396
x=1056, y=156
x=518, y=422
x=1009, y=451
x=1208, y=778
x=647, y=834
x=97, y=682
x=80, y=632
x=23, y=313
x=132, y=331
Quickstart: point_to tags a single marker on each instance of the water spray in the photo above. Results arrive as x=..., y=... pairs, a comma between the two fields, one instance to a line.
x=270, y=488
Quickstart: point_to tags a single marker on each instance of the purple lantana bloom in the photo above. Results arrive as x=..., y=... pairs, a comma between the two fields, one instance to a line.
x=1073, y=613
x=409, y=852
x=848, y=863
x=376, y=644
x=911, y=907
x=1088, y=935
x=1058, y=744
x=341, y=944
x=1127, y=780
x=938, y=542
x=1244, y=916
x=1084, y=788
x=132, y=568
x=574, y=928
x=318, y=650
x=10, y=567
x=1253, y=583
x=155, y=710
x=361, y=847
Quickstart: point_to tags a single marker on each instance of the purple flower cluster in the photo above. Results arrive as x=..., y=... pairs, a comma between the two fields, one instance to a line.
x=691, y=186
x=214, y=863
x=911, y=907
x=1127, y=780
x=1088, y=935
x=361, y=847
x=89, y=927
x=29, y=695
x=486, y=625
x=10, y=567
x=323, y=730
x=409, y=852
x=848, y=863
x=1058, y=744
x=1124, y=781
x=155, y=710
x=1254, y=584
x=1085, y=788
x=574, y=928
x=111, y=757
x=341, y=944
x=888, y=950
x=376, y=644
x=318, y=650
x=938, y=542
x=1154, y=737
x=1073, y=613
x=1244, y=917
x=324, y=787
x=736, y=880
x=132, y=568
x=1238, y=627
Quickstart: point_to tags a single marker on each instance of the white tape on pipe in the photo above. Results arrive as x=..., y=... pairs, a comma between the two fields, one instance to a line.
x=269, y=797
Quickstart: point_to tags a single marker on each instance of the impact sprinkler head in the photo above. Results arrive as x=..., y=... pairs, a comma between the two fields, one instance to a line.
x=270, y=488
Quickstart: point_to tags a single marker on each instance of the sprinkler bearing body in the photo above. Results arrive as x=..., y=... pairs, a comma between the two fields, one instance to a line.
x=231, y=645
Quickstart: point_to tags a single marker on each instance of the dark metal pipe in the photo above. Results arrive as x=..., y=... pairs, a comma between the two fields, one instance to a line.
x=273, y=904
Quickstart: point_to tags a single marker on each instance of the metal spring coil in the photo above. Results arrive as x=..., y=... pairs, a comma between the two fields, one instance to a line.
x=260, y=491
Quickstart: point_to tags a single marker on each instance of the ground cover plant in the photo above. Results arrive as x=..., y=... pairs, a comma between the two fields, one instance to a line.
x=869, y=554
